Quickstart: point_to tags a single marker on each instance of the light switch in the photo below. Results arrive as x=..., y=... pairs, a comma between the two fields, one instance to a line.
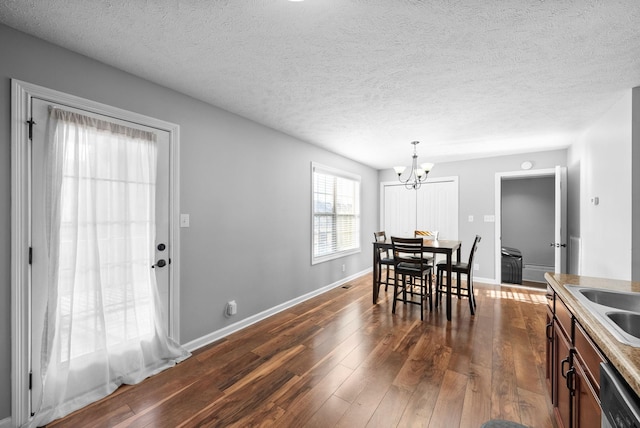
x=470, y=219
x=489, y=218
x=184, y=220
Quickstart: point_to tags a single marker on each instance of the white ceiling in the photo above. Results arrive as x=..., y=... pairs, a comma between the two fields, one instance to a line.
x=364, y=78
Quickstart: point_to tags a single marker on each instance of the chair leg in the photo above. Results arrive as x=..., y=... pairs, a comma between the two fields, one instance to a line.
x=472, y=295
x=471, y=298
x=386, y=284
x=430, y=292
x=404, y=288
x=395, y=293
x=440, y=285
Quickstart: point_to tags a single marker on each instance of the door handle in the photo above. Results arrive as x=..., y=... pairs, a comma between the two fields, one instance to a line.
x=571, y=381
x=160, y=263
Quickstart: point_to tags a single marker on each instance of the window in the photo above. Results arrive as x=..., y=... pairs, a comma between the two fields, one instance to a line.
x=336, y=213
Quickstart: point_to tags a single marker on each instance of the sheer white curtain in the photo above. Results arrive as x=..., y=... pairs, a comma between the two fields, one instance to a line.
x=104, y=325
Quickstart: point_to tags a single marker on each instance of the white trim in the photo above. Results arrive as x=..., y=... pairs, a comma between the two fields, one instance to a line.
x=21, y=94
x=223, y=332
x=532, y=173
x=489, y=281
x=20, y=106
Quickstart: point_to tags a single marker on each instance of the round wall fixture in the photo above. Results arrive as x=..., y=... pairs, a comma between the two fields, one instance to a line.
x=526, y=165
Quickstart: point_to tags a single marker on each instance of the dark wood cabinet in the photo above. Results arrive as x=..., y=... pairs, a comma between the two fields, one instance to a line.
x=587, y=413
x=573, y=369
x=562, y=365
x=549, y=353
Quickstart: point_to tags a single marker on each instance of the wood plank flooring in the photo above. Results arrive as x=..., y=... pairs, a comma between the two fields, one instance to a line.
x=339, y=361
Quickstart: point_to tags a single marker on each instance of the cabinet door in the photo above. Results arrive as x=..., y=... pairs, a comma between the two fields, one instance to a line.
x=562, y=364
x=587, y=413
x=549, y=355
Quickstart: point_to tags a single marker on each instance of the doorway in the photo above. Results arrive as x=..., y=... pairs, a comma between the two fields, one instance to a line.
x=530, y=225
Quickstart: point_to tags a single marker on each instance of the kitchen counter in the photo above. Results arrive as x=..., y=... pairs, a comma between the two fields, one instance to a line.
x=625, y=358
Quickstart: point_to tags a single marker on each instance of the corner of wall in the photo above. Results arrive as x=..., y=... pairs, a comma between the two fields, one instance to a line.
x=635, y=184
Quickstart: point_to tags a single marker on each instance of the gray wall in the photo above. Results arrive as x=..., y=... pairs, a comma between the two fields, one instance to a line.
x=242, y=184
x=528, y=217
x=477, y=196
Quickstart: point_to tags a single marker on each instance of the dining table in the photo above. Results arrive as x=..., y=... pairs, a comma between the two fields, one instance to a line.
x=441, y=246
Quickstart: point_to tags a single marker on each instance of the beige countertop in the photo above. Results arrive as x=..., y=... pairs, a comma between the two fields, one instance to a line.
x=625, y=358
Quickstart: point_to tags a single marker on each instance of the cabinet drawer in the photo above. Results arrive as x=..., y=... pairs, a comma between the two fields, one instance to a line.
x=564, y=317
x=589, y=354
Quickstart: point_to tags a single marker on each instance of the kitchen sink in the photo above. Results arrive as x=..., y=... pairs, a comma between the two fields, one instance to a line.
x=618, y=311
x=628, y=321
x=613, y=299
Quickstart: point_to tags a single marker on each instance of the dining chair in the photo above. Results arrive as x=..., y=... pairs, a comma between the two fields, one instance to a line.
x=459, y=268
x=433, y=234
x=410, y=261
x=427, y=234
x=384, y=259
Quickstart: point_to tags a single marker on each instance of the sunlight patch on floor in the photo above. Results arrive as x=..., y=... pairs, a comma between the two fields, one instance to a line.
x=513, y=294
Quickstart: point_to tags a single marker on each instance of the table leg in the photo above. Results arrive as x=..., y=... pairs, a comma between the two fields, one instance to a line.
x=459, y=276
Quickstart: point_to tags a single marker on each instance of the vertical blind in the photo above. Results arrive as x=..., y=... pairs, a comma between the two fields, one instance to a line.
x=336, y=213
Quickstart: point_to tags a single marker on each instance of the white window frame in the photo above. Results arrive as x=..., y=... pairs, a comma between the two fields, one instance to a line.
x=341, y=174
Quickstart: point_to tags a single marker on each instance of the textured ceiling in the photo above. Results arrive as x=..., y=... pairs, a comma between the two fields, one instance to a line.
x=364, y=78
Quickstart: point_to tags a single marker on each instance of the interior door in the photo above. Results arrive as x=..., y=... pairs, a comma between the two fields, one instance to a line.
x=39, y=268
x=432, y=207
x=560, y=228
x=437, y=208
x=399, y=211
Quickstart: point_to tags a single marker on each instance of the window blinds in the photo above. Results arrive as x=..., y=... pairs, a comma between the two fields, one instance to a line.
x=336, y=213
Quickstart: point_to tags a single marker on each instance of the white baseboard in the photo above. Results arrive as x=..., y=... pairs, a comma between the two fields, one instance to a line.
x=223, y=332
x=5, y=423
x=491, y=281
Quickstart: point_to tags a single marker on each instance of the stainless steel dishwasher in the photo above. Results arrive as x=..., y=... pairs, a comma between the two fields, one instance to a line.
x=620, y=404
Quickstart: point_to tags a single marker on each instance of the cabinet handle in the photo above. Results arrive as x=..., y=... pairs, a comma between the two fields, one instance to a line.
x=562, y=372
x=570, y=381
x=549, y=331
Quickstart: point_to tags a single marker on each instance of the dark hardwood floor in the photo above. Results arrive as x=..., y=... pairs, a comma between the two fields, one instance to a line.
x=339, y=361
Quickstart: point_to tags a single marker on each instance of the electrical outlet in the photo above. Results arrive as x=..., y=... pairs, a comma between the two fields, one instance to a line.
x=476, y=266
x=470, y=219
x=344, y=268
x=232, y=308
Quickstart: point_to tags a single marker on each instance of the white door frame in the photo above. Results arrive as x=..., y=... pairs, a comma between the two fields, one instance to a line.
x=547, y=172
x=21, y=94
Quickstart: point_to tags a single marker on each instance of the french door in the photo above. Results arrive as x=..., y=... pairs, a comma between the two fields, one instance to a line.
x=115, y=303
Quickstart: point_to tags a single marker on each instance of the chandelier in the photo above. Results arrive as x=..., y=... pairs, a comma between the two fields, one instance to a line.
x=417, y=174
